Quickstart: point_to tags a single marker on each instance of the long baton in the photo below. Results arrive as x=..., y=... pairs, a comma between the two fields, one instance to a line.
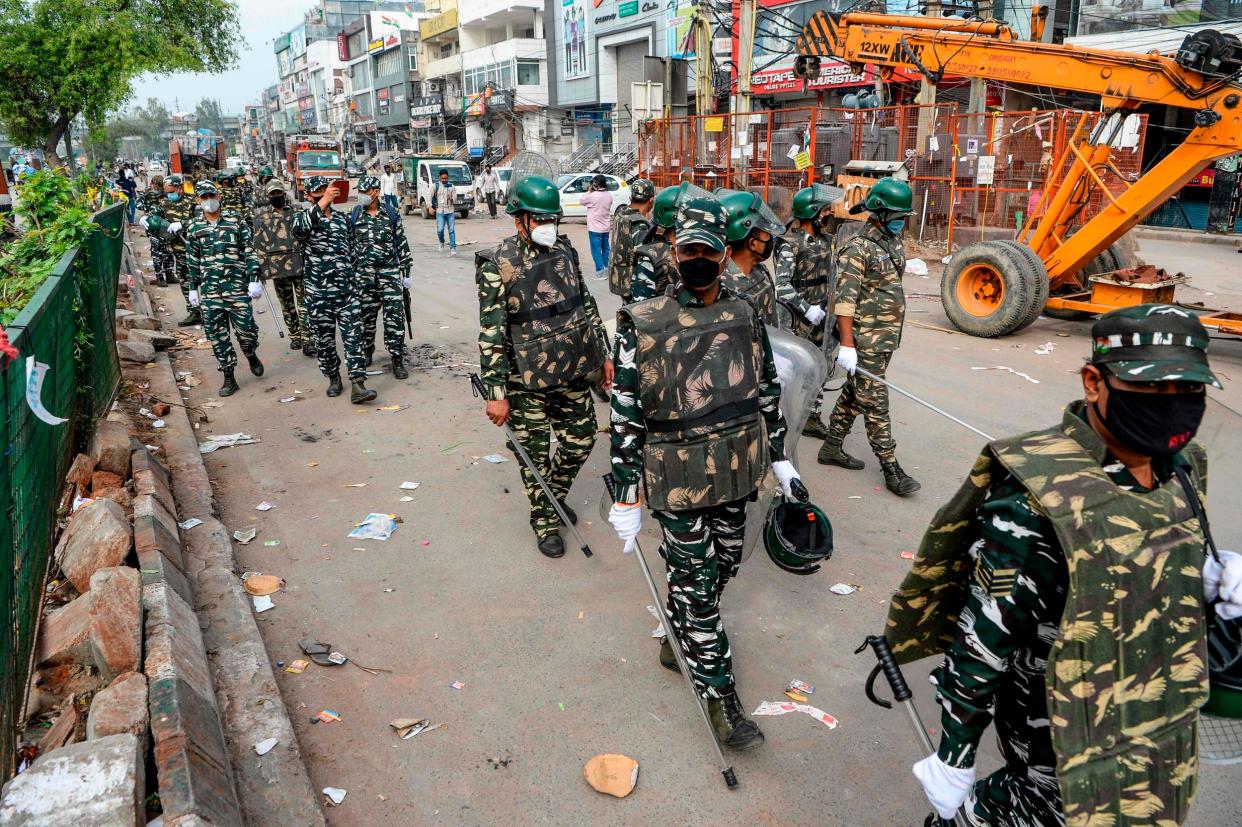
x=725, y=768
x=901, y=693
x=280, y=331
x=924, y=403
x=518, y=448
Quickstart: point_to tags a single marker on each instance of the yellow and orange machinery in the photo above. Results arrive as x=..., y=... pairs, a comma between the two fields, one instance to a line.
x=1060, y=262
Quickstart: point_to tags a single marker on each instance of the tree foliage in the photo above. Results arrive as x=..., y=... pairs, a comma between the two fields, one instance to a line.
x=210, y=115
x=65, y=58
x=150, y=123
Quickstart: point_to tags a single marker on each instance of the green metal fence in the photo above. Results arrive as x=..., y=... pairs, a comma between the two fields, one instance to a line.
x=67, y=325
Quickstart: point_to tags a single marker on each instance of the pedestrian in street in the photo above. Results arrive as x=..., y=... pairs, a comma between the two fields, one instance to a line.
x=382, y=264
x=631, y=227
x=388, y=188
x=170, y=219
x=696, y=424
x=805, y=276
x=1066, y=584
x=444, y=202
x=598, y=203
x=224, y=277
x=328, y=285
x=280, y=261
x=128, y=184
x=870, y=307
x=490, y=183
x=654, y=268
x=752, y=232
x=540, y=338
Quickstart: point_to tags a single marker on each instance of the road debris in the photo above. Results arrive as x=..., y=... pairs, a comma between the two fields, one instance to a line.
x=186, y=525
x=457, y=685
x=842, y=588
x=374, y=527
x=916, y=267
x=494, y=459
x=265, y=506
x=218, y=441
x=265, y=746
x=327, y=716
x=409, y=486
x=1025, y=376
x=1045, y=349
x=407, y=499
x=907, y=555
x=355, y=485
x=784, y=708
x=297, y=667
x=245, y=535
x=497, y=763
x=292, y=399
x=801, y=686
x=335, y=795
x=262, y=603
x=262, y=584
x=409, y=727
x=612, y=774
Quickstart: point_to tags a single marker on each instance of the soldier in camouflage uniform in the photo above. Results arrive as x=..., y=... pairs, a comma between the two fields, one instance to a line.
x=224, y=277
x=870, y=309
x=382, y=265
x=247, y=190
x=654, y=270
x=696, y=424
x=151, y=203
x=1066, y=584
x=232, y=196
x=540, y=337
x=280, y=260
x=178, y=210
x=266, y=175
x=752, y=234
x=805, y=275
x=631, y=225
x=330, y=301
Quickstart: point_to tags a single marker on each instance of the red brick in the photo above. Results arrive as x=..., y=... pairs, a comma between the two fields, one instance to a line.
x=105, y=479
x=110, y=448
x=98, y=536
x=120, y=496
x=64, y=635
x=80, y=471
x=121, y=707
x=62, y=729
x=116, y=621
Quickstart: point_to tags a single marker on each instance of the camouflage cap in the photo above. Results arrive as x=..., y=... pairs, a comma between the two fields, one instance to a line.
x=206, y=187
x=274, y=185
x=701, y=220
x=1152, y=343
x=642, y=190
x=316, y=183
x=368, y=183
x=174, y=180
x=224, y=175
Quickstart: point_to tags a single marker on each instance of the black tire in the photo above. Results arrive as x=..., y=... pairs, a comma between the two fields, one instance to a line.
x=973, y=277
x=463, y=214
x=1038, y=278
x=428, y=215
x=1106, y=262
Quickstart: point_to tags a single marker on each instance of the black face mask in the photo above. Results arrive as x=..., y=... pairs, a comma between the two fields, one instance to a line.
x=698, y=273
x=768, y=246
x=1153, y=424
x=276, y=200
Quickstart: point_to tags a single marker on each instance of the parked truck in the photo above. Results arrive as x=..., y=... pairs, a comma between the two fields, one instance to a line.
x=196, y=157
x=421, y=173
x=315, y=155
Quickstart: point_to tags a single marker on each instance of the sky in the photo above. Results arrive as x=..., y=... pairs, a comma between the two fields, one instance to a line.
x=262, y=21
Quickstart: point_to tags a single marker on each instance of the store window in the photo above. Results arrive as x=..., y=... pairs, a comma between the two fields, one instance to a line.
x=388, y=63
x=413, y=61
x=500, y=75
x=528, y=73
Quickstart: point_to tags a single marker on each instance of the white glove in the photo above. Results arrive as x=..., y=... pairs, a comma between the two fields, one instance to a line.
x=1223, y=581
x=174, y=228
x=847, y=357
x=142, y=222
x=945, y=787
x=255, y=290
x=193, y=298
x=627, y=521
x=407, y=282
x=785, y=474
x=814, y=315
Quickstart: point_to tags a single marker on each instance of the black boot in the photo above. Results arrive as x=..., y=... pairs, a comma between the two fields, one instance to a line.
x=814, y=428
x=358, y=392
x=256, y=367
x=934, y=820
x=369, y=353
x=295, y=344
x=667, y=659
x=552, y=546
x=733, y=729
x=569, y=512
x=334, y=384
x=830, y=453
x=192, y=318
x=309, y=348
x=230, y=384
x=898, y=481
x=398, y=368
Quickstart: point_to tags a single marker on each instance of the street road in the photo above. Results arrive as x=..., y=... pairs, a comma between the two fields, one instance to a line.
x=556, y=656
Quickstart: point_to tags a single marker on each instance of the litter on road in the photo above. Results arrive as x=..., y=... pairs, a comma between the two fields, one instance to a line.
x=457, y=685
x=245, y=535
x=612, y=774
x=186, y=525
x=1045, y=349
x=262, y=603
x=785, y=707
x=374, y=527
x=842, y=588
x=494, y=459
x=265, y=506
x=297, y=667
x=327, y=716
x=265, y=746
x=335, y=795
x=1025, y=376
x=262, y=584
x=218, y=441
x=409, y=486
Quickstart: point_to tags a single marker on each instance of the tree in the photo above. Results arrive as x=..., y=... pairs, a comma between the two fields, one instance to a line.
x=210, y=116
x=65, y=58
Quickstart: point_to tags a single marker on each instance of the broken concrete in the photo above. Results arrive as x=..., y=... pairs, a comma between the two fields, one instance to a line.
x=116, y=621
x=100, y=783
x=119, y=708
x=157, y=339
x=98, y=536
x=81, y=470
x=110, y=448
x=136, y=321
x=136, y=352
x=105, y=479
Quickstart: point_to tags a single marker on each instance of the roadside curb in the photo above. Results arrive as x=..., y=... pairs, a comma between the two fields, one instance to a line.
x=1190, y=236
x=273, y=789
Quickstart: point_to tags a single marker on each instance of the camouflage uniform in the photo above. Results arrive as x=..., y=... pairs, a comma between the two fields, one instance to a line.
x=548, y=393
x=280, y=260
x=328, y=285
x=630, y=228
x=232, y=197
x=151, y=203
x=183, y=211
x=869, y=289
x=654, y=271
x=381, y=258
x=702, y=539
x=805, y=276
x=221, y=263
x=758, y=288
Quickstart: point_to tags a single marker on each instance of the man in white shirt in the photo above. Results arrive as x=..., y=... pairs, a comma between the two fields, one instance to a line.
x=388, y=187
x=491, y=188
x=443, y=199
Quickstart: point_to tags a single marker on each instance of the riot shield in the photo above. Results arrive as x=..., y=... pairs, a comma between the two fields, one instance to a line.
x=527, y=163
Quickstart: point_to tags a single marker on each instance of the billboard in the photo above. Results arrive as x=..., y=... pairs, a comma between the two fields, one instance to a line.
x=386, y=27
x=426, y=106
x=575, y=48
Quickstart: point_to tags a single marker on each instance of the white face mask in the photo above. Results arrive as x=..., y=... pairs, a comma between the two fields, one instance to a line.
x=211, y=205
x=366, y=199
x=544, y=234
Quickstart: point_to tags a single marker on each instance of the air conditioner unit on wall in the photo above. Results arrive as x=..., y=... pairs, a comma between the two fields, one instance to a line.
x=433, y=86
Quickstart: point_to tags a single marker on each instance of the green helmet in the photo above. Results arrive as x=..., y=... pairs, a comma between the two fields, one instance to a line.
x=535, y=194
x=267, y=172
x=174, y=180
x=887, y=195
x=224, y=175
x=798, y=537
x=664, y=213
x=747, y=213
x=1224, y=643
x=642, y=190
x=808, y=201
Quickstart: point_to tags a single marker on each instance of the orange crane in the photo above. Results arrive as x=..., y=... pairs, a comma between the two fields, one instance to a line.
x=1059, y=263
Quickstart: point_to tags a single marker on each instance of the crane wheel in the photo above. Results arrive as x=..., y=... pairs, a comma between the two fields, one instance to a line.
x=1106, y=262
x=1040, y=295
x=989, y=289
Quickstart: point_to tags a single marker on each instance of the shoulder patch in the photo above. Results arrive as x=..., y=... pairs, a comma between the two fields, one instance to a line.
x=997, y=582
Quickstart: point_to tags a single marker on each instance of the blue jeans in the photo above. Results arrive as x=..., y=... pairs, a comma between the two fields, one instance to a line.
x=130, y=206
x=392, y=201
x=447, y=219
x=600, y=249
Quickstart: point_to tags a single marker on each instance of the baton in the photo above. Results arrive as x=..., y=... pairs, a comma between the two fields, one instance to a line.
x=901, y=693
x=280, y=331
x=405, y=299
x=924, y=403
x=518, y=449
x=673, y=643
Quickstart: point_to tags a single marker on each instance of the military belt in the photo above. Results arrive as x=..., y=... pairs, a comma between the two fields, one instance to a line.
x=734, y=410
x=540, y=313
x=815, y=282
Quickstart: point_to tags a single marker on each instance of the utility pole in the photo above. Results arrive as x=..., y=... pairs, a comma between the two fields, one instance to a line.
x=927, y=96
x=745, y=66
